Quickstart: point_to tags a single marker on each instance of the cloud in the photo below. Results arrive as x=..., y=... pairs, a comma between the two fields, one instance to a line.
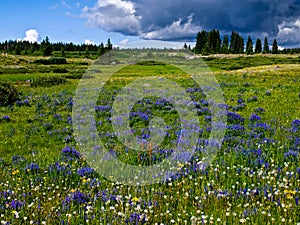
x=182, y=19
x=65, y=4
x=113, y=15
x=32, y=35
x=177, y=30
x=89, y=42
x=124, y=42
x=289, y=32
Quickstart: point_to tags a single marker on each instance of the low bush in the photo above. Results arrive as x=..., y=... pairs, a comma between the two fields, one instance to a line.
x=51, y=61
x=47, y=81
x=9, y=94
x=60, y=70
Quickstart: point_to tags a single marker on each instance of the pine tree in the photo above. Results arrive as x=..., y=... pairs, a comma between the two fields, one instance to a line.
x=225, y=45
x=101, y=49
x=241, y=45
x=236, y=43
x=275, y=47
x=62, y=52
x=46, y=47
x=266, y=46
x=185, y=46
x=109, y=44
x=258, y=46
x=249, y=46
x=200, y=41
x=18, y=49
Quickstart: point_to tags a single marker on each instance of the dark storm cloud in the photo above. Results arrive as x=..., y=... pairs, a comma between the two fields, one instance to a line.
x=182, y=19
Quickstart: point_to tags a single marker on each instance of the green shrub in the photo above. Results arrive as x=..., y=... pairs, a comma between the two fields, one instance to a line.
x=51, y=61
x=78, y=76
x=60, y=70
x=57, y=60
x=47, y=81
x=8, y=93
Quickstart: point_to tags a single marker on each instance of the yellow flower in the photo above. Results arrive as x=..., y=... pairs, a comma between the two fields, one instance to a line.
x=73, y=190
x=289, y=192
x=180, y=165
x=135, y=199
x=15, y=172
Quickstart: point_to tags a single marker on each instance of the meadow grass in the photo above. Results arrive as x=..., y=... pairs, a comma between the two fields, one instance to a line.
x=253, y=180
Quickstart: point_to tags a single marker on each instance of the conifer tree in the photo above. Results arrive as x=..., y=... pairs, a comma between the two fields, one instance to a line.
x=258, y=46
x=249, y=46
x=275, y=47
x=266, y=46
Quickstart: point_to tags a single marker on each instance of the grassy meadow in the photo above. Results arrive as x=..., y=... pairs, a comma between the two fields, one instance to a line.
x=254, y=179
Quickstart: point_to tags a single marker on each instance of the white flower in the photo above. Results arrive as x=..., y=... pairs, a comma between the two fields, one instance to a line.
x=242, y=220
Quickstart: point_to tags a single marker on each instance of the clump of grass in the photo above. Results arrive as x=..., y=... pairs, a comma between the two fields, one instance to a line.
x=48, y=81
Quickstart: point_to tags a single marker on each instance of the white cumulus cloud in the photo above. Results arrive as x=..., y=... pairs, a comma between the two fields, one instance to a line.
x=32, y=35
x=177, y=29
x=113, y=15
x=89, y=42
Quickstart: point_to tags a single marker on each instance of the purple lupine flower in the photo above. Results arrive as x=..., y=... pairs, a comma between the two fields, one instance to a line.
x=57, y=116
x=291, y=153
x=77, y=197
x=85, y=171
x=70, y=152
x=233, y=117
x=16, y=159
x=32, y=167
x=6, y=118
x=254, y=118
x=295, y=125
x=16, y=204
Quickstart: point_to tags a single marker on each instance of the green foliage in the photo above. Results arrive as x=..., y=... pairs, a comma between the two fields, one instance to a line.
x=236, y=43
x=51, y=61
x=47, y=81
x=8, y=93
x=60, y=70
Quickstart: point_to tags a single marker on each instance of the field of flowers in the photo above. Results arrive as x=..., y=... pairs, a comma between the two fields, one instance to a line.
x=254, y=179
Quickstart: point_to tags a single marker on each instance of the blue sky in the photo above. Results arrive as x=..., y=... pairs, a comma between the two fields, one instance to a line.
x=133, y=20
x=59, y=20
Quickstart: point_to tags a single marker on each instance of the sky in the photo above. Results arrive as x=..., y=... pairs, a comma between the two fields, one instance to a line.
x=127, y=22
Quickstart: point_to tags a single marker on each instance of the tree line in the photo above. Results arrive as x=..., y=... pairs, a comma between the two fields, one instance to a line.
x=46, y=48
x=211, y=43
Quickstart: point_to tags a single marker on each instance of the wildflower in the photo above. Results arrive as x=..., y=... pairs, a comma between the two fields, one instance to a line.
x=6, y=118
x=295, y=125
x=254, y=118
x=85, y=171
x=70, y=153
x=32, y=167
x=15, y=172
x=135, y=199
x=15, y=213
